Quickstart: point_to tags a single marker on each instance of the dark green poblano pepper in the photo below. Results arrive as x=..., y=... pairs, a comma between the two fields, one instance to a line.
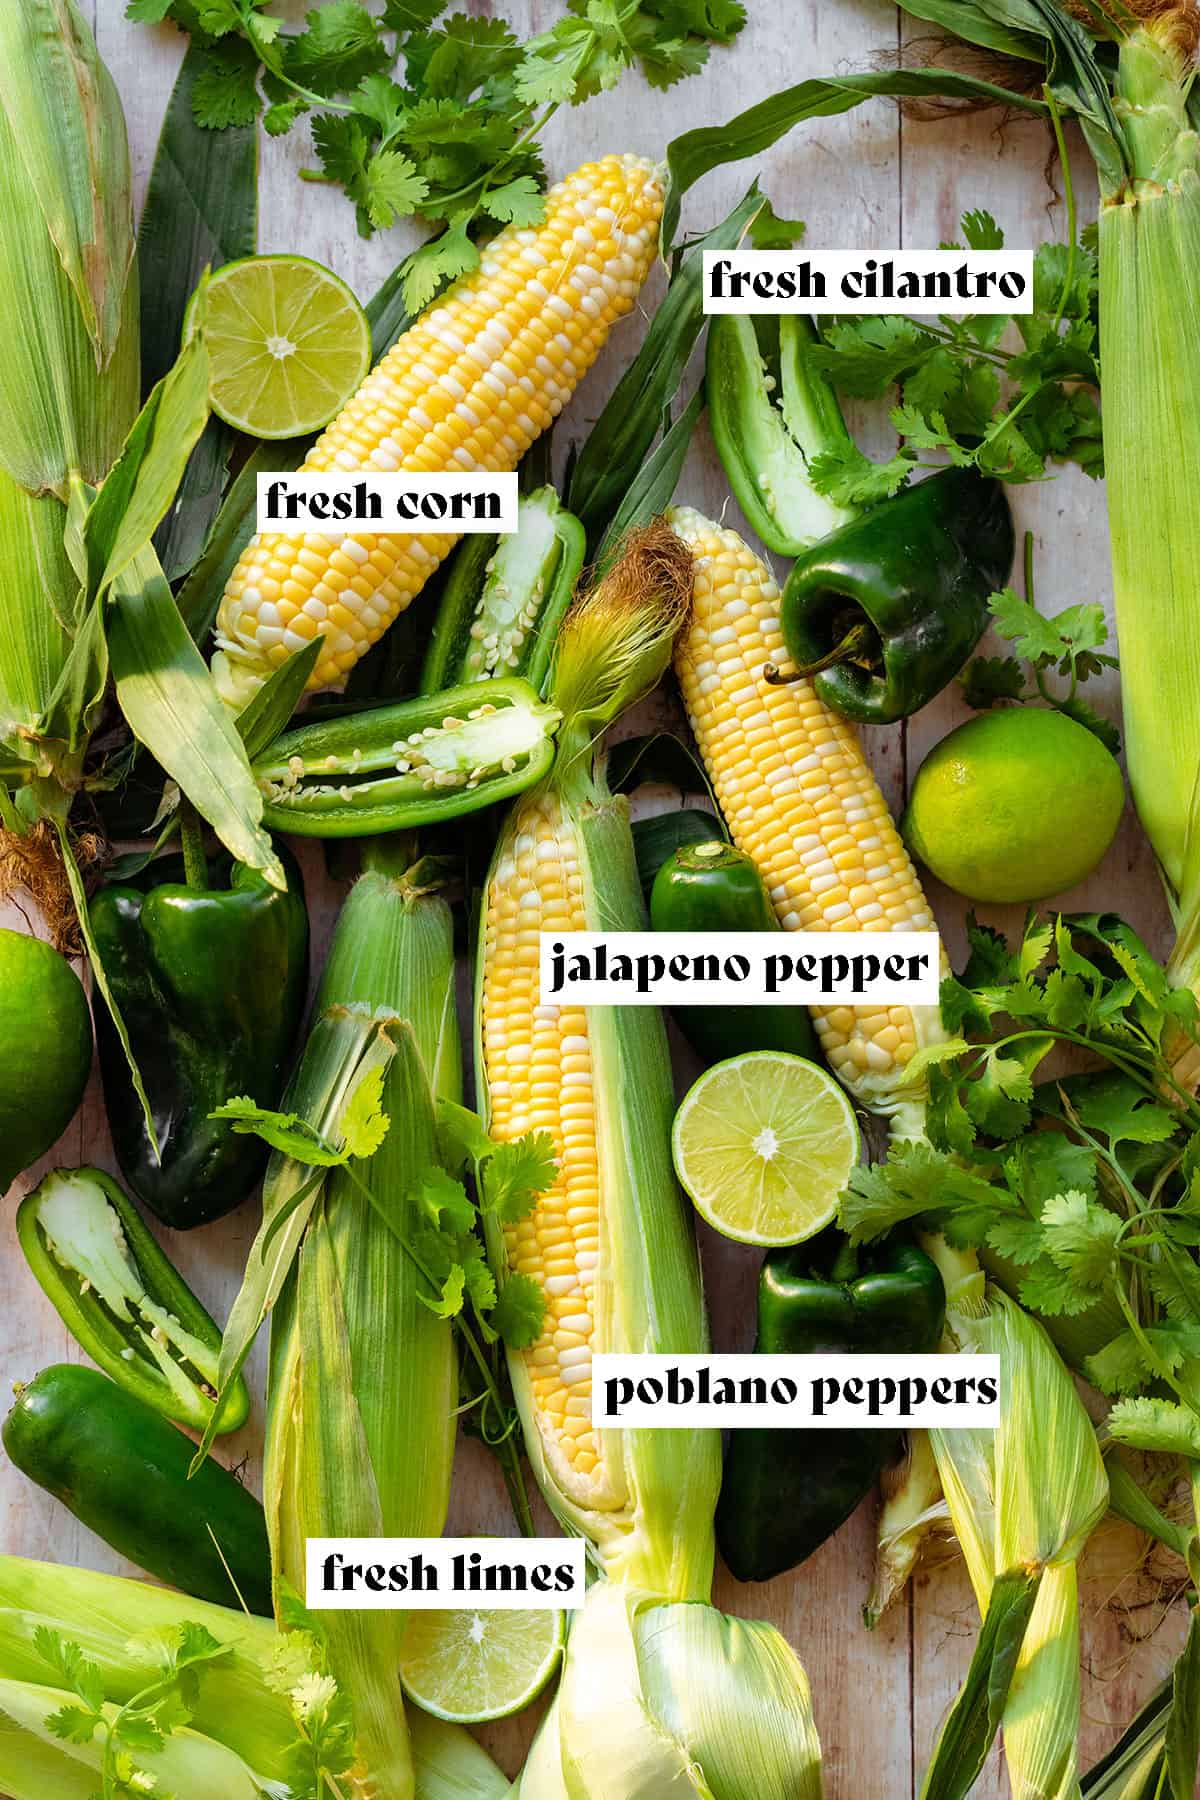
x=211, y=979
x=784, y=1492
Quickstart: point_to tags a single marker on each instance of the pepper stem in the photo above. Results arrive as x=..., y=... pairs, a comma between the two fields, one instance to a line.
x=854, y=647
x=191, y=830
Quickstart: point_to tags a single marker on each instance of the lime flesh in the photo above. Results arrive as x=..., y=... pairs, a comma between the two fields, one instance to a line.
x=288, y=345
x=764, y=1145
x=470, y=1666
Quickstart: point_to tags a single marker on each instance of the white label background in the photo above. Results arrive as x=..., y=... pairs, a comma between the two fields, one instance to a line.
x=803, y=1371
x=835, y=265
x=764, y=950
x=439, y=1553
x=390, y=487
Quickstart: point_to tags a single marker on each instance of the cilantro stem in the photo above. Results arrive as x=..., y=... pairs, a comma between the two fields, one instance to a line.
x=1069, y=196
x=1002, y=357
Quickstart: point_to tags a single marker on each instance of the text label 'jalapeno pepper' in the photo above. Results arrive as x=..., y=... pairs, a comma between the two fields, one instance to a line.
x=882, y=614
x=421, y=761
x=505, y=599
x=211, y=982
x=784, y=1492
x=122, y=1300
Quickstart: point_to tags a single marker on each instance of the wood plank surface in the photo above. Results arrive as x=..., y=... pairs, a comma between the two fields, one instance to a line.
x=866, y=179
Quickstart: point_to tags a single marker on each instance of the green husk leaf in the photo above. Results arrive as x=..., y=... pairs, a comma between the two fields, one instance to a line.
x=625, y=430
x=751, y=132
x=653, y=487
x=969, y=1732
x=166, y=693
x=260, y=722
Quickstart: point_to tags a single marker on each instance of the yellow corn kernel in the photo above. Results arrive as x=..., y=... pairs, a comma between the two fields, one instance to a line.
x=795, y=790
x=469, y=386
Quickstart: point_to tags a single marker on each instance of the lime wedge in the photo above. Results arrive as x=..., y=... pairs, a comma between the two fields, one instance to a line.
x=764, y=1144
x=288, y=343
x=472, y=1666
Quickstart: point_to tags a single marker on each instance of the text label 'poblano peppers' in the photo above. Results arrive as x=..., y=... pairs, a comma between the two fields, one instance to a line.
x=783, y=1493
x=212, y=982
x=884, y=613
x=395, y=767
x=121, y=1299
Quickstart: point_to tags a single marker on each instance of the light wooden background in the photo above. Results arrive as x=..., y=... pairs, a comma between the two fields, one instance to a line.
x=866, y=180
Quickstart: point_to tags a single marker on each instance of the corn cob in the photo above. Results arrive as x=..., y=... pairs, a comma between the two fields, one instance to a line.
x=469, y=386
x=799, y=797
x=660, y=1694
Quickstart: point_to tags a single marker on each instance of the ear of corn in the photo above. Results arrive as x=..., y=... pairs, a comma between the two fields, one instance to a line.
x=70, y=388
x=1009, y=1518
x=243, y=1712
x=1150, y=350
x=799, y=797
x=363, y=1380
x=469, y=386
x=654, y=1701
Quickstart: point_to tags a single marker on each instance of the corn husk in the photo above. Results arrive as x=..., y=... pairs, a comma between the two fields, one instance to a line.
x=1023, y=1501
x=71, y=376
x=242, y=1711
x=363, y=1380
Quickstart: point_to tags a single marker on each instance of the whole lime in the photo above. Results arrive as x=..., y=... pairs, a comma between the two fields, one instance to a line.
x=45, y=1050
x=1015, y=805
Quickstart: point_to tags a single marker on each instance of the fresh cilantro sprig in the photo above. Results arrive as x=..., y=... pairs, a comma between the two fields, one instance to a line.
x=415, y=113
x=1070, y=645
x=446, y=1244
x=1086, y=1187
x=299, y=1670
x=961, y=394
x=141, y=1726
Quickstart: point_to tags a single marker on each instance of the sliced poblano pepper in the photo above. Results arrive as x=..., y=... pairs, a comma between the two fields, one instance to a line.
x=391, y=768
x=505, y=599
x=122, y=1299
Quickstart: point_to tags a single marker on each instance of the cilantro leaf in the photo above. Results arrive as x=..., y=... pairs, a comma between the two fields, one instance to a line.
x=285, y=1132
x=442, y=260
x=225, y=91
x=340, y=45
x=519, y=1312
x=988, y=679
x=981, y=231
x=444, y=1201
x=449, y=1302
x=363, y=1123
x=1081, y=1237
x=769, y=232
x=392, y=188
x=1161, y=1425
x=1020, y=1239
x=849, y=478
x=148, y=12
x=916, y=1180
x=1119, y=1108
x=518, y=202
x=516, y=1174
x=84, y=1679
x=1050, y=1290
x=74, y=1724
x=1032, y=636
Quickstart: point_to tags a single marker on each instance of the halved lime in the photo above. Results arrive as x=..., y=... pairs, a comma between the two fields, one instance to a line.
x=764, y=1144
x=288, y=343
x=470, y=1666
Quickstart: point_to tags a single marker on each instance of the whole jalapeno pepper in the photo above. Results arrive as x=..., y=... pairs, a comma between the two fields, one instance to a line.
x=211, y=981
x=784, y=1492
x=714, y=887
